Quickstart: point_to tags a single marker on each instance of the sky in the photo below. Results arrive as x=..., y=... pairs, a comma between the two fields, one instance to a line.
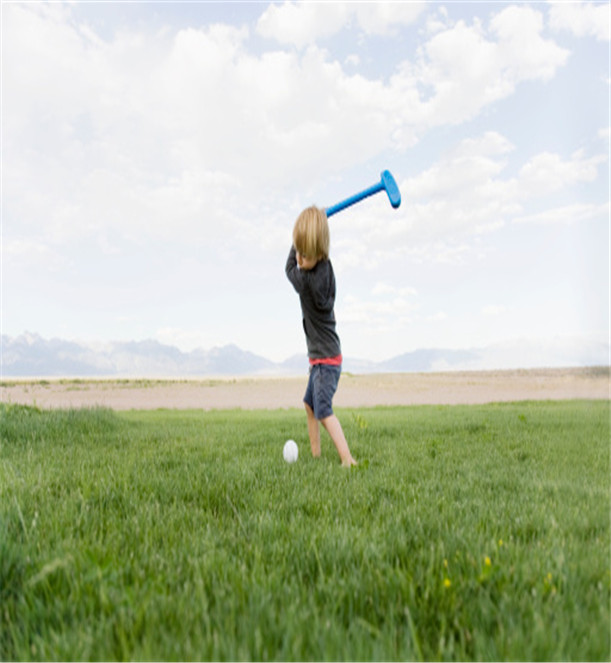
x=155, y=156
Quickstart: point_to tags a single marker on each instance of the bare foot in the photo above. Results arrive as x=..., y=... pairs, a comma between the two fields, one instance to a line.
x=349, y=462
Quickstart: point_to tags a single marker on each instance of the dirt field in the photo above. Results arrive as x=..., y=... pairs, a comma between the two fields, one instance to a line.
x=354, y=390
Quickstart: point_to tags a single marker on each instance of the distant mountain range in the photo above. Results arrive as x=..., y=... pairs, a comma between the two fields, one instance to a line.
x=30, y=355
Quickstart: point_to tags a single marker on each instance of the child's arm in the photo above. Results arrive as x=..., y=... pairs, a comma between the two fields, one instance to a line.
x=318, y=283
x=322, y=287
x=293, y=273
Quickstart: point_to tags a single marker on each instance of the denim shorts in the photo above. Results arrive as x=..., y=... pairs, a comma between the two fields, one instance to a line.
x=322, y=386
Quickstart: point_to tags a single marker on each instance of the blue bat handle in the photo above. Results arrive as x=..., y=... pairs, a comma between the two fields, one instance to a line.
x=357, y=197
x=386, y=183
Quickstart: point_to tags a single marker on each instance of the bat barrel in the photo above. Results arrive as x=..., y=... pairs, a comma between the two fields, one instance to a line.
x=392, y=190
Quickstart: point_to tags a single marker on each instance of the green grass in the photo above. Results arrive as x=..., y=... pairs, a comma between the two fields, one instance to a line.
x=466, y=533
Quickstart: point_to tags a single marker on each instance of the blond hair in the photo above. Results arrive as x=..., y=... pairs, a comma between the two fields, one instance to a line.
x=311, y=234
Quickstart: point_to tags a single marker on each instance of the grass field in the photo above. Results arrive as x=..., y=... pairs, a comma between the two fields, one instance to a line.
x=466, y=533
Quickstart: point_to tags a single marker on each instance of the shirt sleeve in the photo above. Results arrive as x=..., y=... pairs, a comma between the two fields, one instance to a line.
x=293, y=273
x=316, y=285
x=323, y=287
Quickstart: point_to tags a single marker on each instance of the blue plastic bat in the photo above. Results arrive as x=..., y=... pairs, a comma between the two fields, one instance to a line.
x=387, y=183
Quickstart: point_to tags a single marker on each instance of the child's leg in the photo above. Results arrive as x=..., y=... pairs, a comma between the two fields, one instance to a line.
x=313, y=431
x=334, y=428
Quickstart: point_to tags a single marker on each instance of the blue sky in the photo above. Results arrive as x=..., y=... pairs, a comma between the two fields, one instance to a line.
x=156, y=155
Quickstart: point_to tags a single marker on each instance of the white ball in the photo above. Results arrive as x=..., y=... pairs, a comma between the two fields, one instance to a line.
x=290, y=451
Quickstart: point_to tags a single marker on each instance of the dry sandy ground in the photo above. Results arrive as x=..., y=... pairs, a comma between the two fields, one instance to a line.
x=354, y=390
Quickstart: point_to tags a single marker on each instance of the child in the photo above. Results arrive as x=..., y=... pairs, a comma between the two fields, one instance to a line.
x=310, y=271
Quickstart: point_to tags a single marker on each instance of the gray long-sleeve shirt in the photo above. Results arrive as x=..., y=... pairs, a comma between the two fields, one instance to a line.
x=316, y=289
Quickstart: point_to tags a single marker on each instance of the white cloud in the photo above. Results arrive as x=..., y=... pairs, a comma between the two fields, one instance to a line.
x=306, y=23
x=471, y=163
x=466, y=67
x=568, y=214
x=151, y=109
x=186, y=340
x=489, y=144
x=581, y=18
x=457, y=73
x=546, y=172
x=380, y=314
x=452, y=206
x=523, y=53
x=462, y=193
x=23, y=252
x=302, y=23
x=493, y=310
x=383, y=18
x=465, y=192
x=204, y=120
x=152, y=136
x=387, y=289
x=440, y=316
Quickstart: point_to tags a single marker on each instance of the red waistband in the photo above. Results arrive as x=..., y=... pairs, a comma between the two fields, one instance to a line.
x=327, y=361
